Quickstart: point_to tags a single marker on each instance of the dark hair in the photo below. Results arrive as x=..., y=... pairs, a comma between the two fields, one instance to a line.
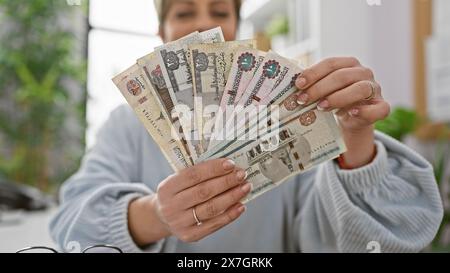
x=165, y=5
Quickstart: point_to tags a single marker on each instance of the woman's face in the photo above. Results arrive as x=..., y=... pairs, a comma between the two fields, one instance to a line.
x=187, y=16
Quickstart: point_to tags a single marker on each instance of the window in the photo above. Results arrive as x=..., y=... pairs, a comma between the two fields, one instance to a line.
x=121, y=32
x=303, y=16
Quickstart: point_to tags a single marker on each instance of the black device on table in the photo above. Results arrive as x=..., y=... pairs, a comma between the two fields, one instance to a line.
x=15, y=196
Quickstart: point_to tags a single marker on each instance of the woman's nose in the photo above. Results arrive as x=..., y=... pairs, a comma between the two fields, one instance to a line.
x=205, y=23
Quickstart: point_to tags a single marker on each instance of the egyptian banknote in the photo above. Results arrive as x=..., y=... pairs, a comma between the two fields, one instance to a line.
x=244, y=67
x=138, y=92
x=275, y=77
x=211, y=64
x=308, y=138
x=151, y=67
x=202, y=98
x=176, y=69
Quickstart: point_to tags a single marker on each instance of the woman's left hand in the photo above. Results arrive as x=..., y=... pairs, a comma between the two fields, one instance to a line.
x=344, y=85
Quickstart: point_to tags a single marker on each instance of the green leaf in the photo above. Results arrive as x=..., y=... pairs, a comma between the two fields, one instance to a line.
x=36, y=60
x=399, y=124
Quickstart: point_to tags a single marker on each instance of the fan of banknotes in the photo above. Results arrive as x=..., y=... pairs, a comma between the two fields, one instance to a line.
x=202, y=98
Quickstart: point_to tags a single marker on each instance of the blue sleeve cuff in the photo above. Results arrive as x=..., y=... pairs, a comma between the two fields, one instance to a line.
x=118, y=228
x=359, y=180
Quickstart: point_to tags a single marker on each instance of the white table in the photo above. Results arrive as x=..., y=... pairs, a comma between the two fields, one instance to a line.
x=24, y=229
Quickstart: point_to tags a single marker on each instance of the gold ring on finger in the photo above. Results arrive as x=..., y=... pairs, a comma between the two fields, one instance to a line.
x=372, y=93
x=194, y=213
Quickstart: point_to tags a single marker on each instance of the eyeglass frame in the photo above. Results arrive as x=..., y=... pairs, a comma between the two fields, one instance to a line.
x=83, y=251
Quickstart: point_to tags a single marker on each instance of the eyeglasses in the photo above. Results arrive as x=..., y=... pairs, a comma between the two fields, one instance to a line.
x=89, y=249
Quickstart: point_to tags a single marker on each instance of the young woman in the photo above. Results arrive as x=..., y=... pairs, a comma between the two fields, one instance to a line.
x=126, y=195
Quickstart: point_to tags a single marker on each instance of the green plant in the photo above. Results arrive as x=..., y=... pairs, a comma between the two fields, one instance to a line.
x=37, y=66
x=400, y=123
x=279, y=25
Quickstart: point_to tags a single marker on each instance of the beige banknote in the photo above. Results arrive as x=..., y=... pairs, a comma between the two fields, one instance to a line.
x=305, y=140
x=246, y=63
x=270, y=74
x=280, y=103
x=264, y=119
x=137, y=91
x=282, y=98
x=151, y=66
x=272, y=80
x=285, y=86
x=176, y=69
x=210, y=65
x=187, y=37
x=214, y=35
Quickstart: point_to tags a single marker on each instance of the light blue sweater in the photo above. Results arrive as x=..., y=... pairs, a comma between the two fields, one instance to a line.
x=394, y=201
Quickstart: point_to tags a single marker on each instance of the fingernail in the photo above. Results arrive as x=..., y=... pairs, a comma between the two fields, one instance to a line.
x=302, y=99
x=229, y=165
x=301, y=82
x=241, y=175
x=353, y=112
x=323, y=105
x=241, y=208
x=246, y=188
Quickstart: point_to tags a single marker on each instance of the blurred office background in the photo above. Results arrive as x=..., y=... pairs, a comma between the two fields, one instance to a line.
x=57, y=59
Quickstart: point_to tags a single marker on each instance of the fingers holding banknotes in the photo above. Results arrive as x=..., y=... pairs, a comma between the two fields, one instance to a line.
x=208, y=193
x=201, y=70
x=343, y=83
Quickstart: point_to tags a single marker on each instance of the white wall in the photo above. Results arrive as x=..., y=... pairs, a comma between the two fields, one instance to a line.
x=393, y=50
x=380, y=36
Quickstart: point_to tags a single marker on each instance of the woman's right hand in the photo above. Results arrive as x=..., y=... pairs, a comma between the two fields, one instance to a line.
x=213, y=188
